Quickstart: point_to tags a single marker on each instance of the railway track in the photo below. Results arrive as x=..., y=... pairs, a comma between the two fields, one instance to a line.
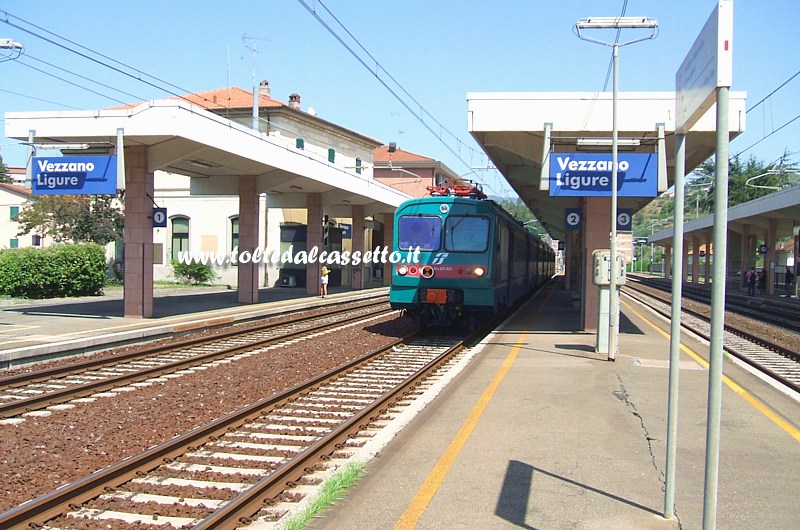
x=33, y=391
x=785, y=315
x=772, y=359
x=240, y=468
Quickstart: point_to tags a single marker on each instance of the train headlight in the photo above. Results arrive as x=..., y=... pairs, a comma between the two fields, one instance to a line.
x=479, y=271
x=402, y=270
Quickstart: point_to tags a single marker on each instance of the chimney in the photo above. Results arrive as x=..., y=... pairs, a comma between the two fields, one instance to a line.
x=294, y=101
x=263, y=89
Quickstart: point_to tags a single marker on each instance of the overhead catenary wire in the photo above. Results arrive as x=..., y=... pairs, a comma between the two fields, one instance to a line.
x=376, y=73
x=137, y=74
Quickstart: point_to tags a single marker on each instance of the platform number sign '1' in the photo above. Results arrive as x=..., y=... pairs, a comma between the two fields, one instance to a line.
x=572, y=219
x=159, y=217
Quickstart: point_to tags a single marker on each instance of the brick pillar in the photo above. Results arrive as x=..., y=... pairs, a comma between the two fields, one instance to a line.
x=597, y=230
x=138, y=235
x=248, y=239
x=357, y=277
x=770, y=258
x=313, y=239
x=747, y=253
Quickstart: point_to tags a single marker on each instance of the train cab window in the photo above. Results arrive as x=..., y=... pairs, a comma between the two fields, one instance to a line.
x=423, y=231
x=466, y=233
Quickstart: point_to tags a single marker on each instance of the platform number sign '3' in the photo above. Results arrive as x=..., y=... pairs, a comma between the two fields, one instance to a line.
x=624, y=219
x=573, y=217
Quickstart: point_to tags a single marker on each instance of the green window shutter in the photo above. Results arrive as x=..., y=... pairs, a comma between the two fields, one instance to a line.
x=300, y=143
x=331, y=154
x=14, y=213
x=14, y=243
x=358, y=166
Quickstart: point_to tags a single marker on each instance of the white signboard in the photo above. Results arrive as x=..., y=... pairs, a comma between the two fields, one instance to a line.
x=708, y=65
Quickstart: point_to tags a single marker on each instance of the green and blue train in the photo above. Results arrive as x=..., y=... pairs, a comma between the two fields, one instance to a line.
x=474, y=259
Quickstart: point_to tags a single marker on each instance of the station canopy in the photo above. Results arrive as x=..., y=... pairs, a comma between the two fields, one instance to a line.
x=511, y=129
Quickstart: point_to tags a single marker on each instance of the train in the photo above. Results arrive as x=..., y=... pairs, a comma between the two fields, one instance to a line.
x=471, y=259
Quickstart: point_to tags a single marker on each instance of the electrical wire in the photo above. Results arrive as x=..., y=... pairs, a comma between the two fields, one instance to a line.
x=138, y=77
x=376, y=73
x=38, y=99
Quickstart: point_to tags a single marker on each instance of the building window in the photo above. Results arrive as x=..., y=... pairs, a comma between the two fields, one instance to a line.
x=300, y=143
x=180, y=236
x=13, y=243
x=36, y=241
x=14, y=213
x=358, y=166
x=234, y=232
x=331, y=155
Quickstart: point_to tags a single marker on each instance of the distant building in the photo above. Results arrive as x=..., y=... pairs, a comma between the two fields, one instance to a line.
x=409, y=172
x=12, y=201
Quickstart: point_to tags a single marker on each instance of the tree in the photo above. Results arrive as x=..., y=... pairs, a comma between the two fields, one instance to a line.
x=771, y=179
x=5, y=177
x=73, y=218
x=523, y=214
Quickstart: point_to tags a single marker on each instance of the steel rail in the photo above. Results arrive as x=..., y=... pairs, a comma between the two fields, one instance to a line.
x=48, y=506
x=46, y=374
x=15, y=408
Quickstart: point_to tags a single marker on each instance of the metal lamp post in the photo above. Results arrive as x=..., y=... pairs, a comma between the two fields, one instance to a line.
x=618, y=23
x=10, y=50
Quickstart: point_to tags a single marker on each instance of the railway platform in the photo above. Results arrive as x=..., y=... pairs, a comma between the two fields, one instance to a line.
x=539, y=431
x=43, y=329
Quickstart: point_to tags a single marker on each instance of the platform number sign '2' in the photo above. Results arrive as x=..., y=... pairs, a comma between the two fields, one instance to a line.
x=573, y=217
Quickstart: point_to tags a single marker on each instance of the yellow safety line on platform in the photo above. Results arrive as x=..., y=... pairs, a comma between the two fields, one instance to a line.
x=434, y=480
x=431, y=485
x=760, y=406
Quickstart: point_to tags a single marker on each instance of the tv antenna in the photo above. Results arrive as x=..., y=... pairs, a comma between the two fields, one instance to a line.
x=251, y=44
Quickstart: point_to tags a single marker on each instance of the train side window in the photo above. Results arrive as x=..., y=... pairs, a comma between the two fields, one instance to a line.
x=423, y=231
x=466, y=233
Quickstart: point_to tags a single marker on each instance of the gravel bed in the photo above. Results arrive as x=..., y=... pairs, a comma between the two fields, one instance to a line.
x=43, y=453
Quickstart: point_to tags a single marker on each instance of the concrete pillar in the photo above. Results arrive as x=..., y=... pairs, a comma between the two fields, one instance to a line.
x=709, y=258
x=597, y=227
x=357, y=277
x=313, y=239
x=248, y=239
x=388, y=236
x=138, y=237
x=695, y=258
x=770, y=257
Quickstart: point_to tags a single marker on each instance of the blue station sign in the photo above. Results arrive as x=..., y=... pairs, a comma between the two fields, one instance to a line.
x=589, y=175
x=75, y=175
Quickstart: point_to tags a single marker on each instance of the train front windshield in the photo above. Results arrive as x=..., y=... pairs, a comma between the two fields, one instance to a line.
x=423, y=231
x=466, y=233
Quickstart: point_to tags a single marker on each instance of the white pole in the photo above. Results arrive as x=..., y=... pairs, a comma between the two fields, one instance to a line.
x=613, y=320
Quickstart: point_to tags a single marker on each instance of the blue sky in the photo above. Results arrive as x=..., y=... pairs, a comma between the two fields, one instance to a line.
x=438, y=51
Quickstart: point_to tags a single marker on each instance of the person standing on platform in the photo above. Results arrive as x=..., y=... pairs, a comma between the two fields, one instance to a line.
x=324, y=281
x=788, y=281
x=762, y=281
x=751, y=281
